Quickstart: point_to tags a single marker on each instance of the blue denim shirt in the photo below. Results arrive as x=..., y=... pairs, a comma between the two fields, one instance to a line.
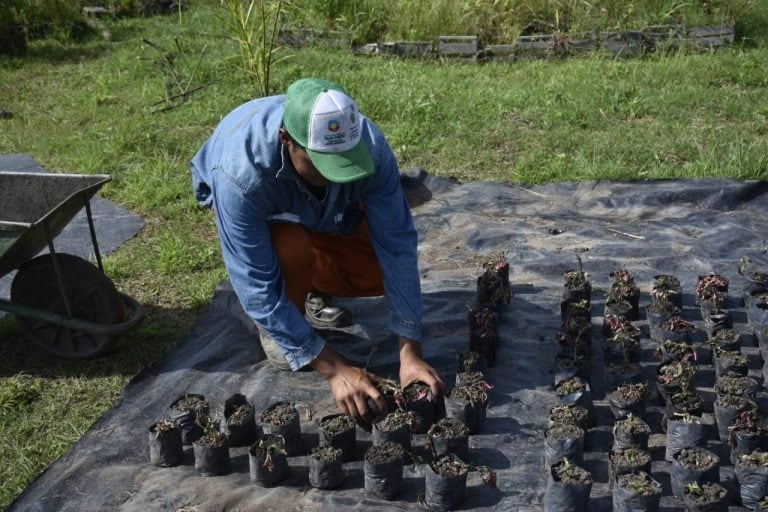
x=244, y=173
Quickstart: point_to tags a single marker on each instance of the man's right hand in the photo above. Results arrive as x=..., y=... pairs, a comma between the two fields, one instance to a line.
x=351, y=386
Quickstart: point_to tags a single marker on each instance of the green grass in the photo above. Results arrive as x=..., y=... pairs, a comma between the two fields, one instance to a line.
x=90, y=108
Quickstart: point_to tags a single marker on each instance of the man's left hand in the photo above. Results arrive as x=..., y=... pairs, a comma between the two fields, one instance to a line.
x=413, y=368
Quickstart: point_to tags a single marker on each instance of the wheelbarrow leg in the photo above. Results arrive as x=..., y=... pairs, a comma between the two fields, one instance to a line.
x=93, y=234
x=59, y=277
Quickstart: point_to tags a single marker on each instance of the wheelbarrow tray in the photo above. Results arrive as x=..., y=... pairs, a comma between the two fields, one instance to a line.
x=35, y=207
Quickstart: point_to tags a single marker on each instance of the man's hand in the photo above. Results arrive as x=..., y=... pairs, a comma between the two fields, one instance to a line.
x=351, y=386
x=413, y=368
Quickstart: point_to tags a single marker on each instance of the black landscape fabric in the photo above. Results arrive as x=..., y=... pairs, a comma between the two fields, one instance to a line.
x=681, y=227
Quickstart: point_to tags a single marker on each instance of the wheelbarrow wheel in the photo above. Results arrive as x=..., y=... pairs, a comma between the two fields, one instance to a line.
x=91, y=295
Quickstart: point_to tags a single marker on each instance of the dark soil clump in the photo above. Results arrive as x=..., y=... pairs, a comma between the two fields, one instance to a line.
x=384, y=453
x=280, y=415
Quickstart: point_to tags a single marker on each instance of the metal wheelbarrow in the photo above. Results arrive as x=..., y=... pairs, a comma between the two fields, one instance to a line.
x=61, y=301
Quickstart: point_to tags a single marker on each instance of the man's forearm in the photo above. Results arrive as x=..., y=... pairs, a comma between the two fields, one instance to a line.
x=409, y=348
x=328, y=362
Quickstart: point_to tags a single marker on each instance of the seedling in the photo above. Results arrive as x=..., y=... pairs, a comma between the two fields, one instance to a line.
x=211, y=433
x=694, y=489
x=634, y=392
x=678, y=372
x=164, y=426
x=686, y=417
x=621, y=276
x=677, y=324
x=575, y=279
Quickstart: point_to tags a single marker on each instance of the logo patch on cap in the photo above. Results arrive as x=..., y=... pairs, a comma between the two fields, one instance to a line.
x=334, y=124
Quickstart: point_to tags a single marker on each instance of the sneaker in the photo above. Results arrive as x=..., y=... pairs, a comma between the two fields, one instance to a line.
x=321, y=315
x=273, y=352
x=275, y=355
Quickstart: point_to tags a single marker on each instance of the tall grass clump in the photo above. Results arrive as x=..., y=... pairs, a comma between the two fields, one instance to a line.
x=254, y=25
x=500, y=21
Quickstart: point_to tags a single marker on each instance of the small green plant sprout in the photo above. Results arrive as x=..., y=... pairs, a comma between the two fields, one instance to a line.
x=694, y=489
x=164, y=426
x=686, y=417
x=211, y=432
x=639, y=484
x=746, y=269
x=631, y=454
x=631, y=424
x=756, y=458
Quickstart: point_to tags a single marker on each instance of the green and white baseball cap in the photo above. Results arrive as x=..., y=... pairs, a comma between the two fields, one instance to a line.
x=325, y=121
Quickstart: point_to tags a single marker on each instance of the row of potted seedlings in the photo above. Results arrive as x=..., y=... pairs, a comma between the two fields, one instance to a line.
x=493, y=291
x=569, y=484
x=466, y=403
x=412, y=410
x=629, y=463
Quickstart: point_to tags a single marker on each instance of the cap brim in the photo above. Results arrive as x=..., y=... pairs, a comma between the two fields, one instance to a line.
x=346, y=166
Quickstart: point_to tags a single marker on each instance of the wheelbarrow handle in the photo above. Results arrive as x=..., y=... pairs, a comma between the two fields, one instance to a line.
x=137, y=315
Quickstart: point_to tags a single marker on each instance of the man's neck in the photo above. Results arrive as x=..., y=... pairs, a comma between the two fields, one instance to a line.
x=320, y=193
